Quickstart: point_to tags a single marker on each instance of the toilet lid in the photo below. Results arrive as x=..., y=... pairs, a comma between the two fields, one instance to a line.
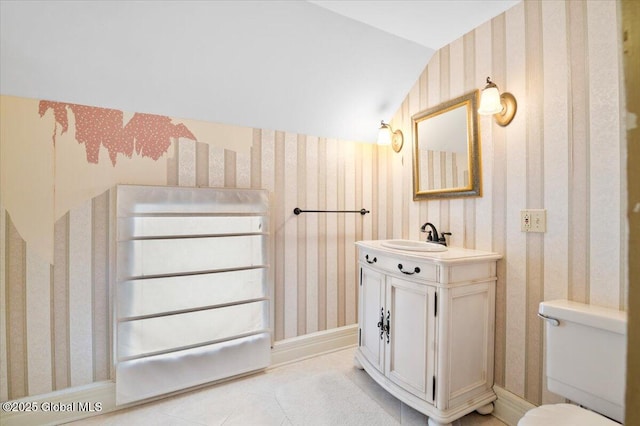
x=563, y=415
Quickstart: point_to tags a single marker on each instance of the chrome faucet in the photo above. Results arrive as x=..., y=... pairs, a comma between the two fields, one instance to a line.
x=433, y=236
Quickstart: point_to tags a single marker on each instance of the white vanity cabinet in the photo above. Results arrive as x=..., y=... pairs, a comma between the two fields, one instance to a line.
x=426, y=327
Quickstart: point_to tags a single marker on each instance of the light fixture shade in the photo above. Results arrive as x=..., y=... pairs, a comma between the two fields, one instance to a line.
x=490, y=101
x=387, y=136
x=384, y=134
x=503, y=106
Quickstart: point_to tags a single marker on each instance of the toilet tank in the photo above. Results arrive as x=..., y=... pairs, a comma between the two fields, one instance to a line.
x=586, y=355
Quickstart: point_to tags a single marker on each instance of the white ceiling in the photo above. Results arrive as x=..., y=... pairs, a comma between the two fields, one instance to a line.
x=430, y=23
x=324, y=68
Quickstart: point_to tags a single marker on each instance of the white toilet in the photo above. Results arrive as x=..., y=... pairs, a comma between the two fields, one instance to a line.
x=586, y=363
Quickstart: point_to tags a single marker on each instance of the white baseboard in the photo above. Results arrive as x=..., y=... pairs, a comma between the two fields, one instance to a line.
x=98, y=398
x=509, y=407
x=313, y=344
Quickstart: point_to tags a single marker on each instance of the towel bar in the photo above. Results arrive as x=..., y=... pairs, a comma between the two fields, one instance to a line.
x=297, y=211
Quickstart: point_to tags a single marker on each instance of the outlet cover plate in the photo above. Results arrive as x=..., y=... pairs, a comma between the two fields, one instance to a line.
x=533, y=220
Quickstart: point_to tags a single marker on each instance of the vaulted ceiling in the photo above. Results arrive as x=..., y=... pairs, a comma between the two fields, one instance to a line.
x=324, y=68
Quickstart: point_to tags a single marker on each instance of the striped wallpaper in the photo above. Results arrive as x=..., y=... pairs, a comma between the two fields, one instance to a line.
x=562, y=152
x=58, y=327
x=57, y=323
x=313, y=255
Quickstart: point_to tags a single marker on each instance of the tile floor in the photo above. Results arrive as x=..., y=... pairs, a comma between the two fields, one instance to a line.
x=325, y=390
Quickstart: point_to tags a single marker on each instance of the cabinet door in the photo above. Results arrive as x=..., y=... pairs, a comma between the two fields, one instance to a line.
x=371, y=295
x=410, y=357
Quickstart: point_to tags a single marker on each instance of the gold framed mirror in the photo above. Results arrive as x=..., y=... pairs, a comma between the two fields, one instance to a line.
x=446, y=156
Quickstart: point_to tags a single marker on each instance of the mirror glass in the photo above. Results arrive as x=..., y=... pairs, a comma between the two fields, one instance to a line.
x=446, y=160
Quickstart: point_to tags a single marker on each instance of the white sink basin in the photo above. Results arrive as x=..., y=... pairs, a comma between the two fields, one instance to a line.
x=411, y=245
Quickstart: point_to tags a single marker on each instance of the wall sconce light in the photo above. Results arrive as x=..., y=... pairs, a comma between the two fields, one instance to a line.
x=502, y=106
x=386, y=136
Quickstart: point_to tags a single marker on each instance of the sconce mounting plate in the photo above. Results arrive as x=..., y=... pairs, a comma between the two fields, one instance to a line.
x=509, y=108
x=397, y=140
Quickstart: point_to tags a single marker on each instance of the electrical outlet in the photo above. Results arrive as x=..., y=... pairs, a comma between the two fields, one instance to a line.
x=533, y=220
x=525, y=220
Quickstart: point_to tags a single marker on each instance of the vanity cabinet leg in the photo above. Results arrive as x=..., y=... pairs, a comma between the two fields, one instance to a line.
x=485, y=409
x=357, y=364
x=435, y=423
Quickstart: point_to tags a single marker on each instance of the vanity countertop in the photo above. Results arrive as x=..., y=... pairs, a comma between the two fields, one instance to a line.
x=451, y=256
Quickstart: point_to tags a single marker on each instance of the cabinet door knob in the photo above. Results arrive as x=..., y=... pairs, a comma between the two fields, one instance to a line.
x=375, y=259
x=416, y=270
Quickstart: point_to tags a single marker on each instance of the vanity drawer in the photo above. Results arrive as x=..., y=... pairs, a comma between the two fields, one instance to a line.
x=416, y=269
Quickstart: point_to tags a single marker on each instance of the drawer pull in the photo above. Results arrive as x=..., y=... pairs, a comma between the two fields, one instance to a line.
x=416, y=270
x=375, y=259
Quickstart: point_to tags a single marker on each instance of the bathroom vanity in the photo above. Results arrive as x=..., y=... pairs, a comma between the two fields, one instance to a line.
x=426, y=326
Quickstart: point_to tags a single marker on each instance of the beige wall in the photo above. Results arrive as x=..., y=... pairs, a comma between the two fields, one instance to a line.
x=563, y=152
